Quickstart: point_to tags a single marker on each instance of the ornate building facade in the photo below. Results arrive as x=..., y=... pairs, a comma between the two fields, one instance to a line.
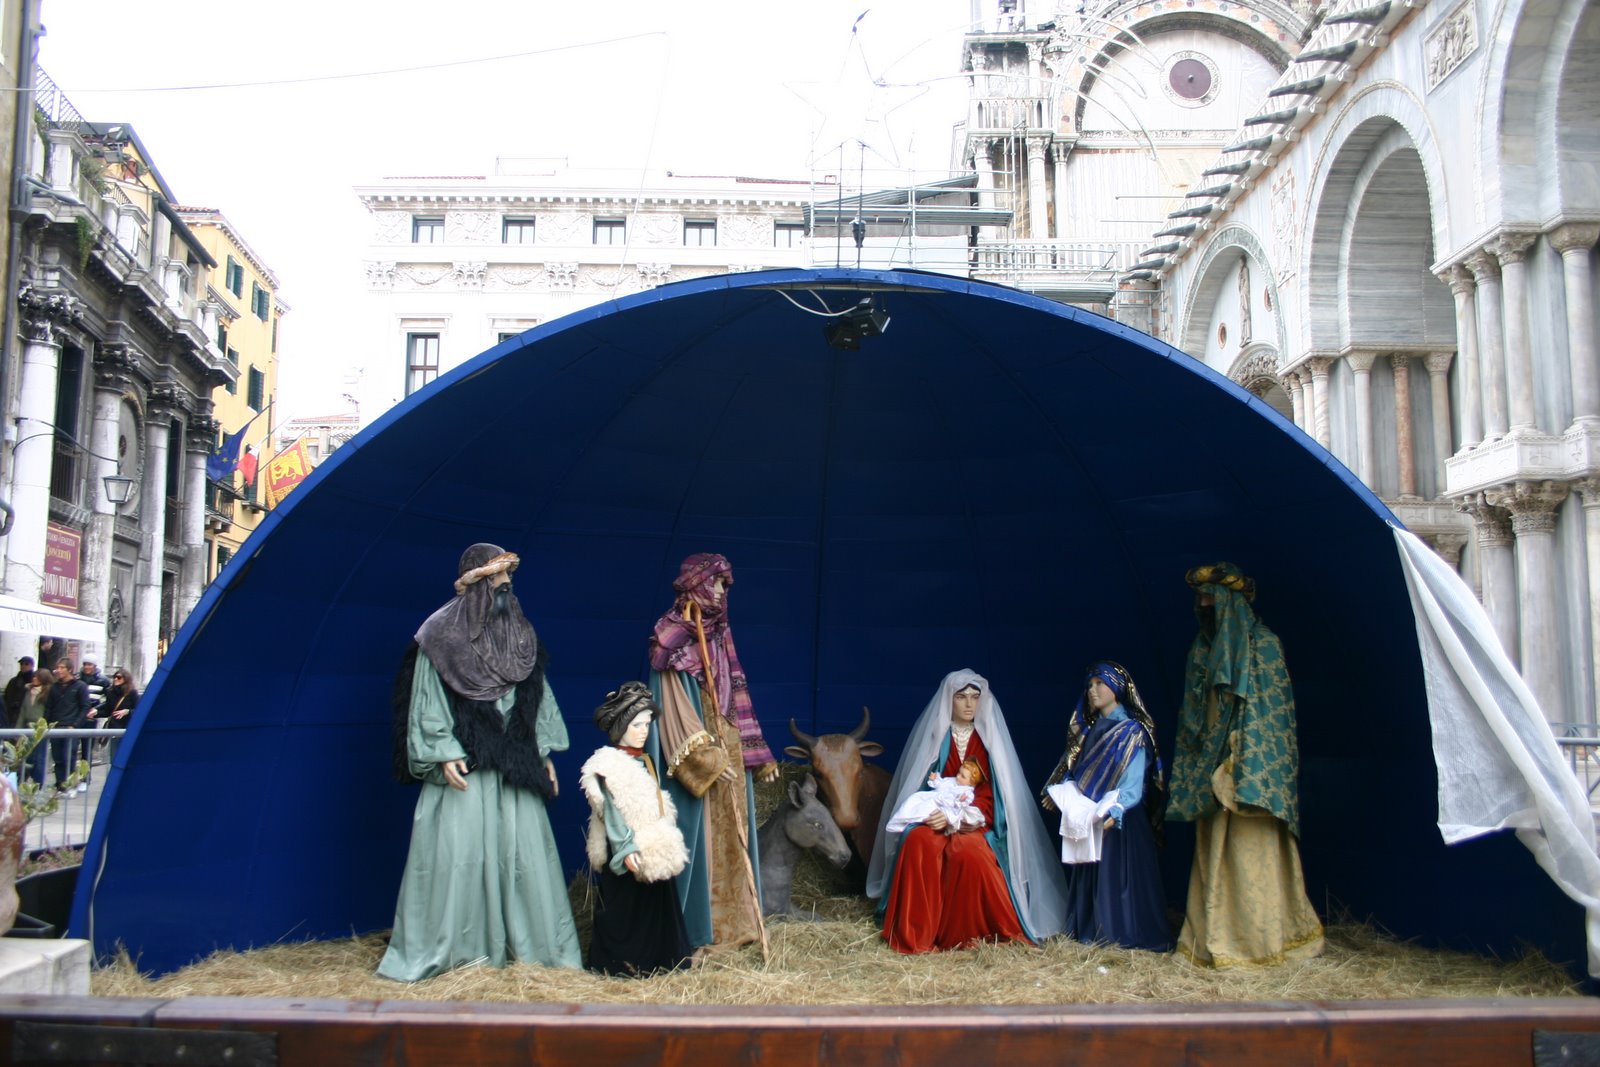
x=117, y=361
x=1381, y=218
x=457, y=265
x=243, y=293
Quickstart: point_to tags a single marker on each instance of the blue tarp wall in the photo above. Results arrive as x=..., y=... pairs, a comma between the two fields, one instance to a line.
x=997, y=482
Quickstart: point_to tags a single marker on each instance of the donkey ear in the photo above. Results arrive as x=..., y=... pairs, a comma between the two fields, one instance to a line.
x=810, y=787
x=794, y=794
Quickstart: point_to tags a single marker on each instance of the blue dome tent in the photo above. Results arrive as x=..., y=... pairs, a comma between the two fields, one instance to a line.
x=997, y=481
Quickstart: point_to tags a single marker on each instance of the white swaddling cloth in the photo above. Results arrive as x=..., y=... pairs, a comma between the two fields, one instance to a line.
x=944, y=794
x=1082, y=821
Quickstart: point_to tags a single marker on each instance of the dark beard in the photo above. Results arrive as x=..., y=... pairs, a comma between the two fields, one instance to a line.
x=502, y=602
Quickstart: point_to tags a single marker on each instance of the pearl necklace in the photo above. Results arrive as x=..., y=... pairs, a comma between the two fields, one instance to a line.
x=961, y=735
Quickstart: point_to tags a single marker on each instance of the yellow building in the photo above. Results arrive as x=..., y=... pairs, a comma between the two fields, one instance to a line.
x=244, y=292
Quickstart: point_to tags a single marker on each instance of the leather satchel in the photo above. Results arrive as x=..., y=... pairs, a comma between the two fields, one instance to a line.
x=698, y=762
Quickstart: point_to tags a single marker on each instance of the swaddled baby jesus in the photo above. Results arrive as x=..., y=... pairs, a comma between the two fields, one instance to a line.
x=951, y=796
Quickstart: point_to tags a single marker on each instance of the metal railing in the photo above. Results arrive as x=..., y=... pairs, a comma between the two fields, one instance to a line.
x=53, y=103
x=1580, y=744
x=1052, y=257
x=70, y=823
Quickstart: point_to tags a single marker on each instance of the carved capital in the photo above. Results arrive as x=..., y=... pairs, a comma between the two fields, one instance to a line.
x=45, y=312
x=1319, y=368
x=1574, y=236
x=1532, y=504
x=1438, y=363
x=201, y=434
x=1459, y=279
x=1483, y=266
x=1447, y=546
x=1492, y=523
x=1036, y=149
x=113, y=366
x=166, y=399
x=380, y=273
x=1513, y=247
x=1361, y=362
x=1401, y=362
x=1589, y=492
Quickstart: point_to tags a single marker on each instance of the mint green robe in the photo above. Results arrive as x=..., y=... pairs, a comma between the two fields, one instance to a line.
x=483, y=880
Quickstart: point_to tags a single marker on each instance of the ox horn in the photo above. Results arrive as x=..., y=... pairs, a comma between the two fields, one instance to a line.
x=866, y=723
x=804, y=739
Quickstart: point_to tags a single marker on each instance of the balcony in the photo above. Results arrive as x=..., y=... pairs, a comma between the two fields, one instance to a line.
x=994, y=115
x=1072, y=271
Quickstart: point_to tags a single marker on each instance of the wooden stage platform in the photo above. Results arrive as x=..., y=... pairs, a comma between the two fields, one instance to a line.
x=238, y=1032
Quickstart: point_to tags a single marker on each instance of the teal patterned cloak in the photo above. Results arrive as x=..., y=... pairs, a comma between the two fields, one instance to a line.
x=1242, y=662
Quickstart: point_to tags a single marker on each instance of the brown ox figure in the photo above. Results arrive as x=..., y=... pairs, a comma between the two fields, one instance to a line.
x=853, y=789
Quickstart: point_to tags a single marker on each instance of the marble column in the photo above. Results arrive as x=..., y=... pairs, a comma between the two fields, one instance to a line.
x=1296, y=397
x=983, y=163
x=1496, y=567
x=1575, y=242
x=1059, y=150
x=1038, y=200
x=1512, y=251
x=1491, y=344
x=1533, y=518
x=161, y=411
x=1438, y=364
x=1464, y=289
x=197, y=439
x=1366, y=448
x=43, y=315
x=1589, y=493
x=1319, y=399
x=113, y=375
x=1404, y=433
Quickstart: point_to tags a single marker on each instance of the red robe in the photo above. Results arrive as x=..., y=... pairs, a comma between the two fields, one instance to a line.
x=949, y=890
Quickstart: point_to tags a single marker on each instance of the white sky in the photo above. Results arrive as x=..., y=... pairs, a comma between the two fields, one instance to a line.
x=691, y=86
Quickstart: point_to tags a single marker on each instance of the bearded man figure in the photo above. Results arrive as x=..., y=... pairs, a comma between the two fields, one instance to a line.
x=475, y=724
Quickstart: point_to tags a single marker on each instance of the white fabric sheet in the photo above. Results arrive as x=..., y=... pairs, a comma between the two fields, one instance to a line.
x=1499, y=766
x=1083, y=822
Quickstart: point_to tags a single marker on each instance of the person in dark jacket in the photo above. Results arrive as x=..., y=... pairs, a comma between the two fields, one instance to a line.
x=98, y=684
x=117, y=711
x=17, y=689
x=68, y=709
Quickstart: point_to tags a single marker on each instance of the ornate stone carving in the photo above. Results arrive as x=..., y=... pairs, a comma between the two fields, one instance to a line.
x=654, y=274
x=424, y=275
x=469, y=275
x=1361, y=362
x=389, y=227
x=1483, y=266
x=380, y=273
x=1492, y=523
x=46, y=312
x=563, y=229
x=166, y=399
x=1438, y=363
x=1574, y=236
x=1283, y=227
x=515, y=276
x=469, y=227
x=1459, y=279
x=1588, y=491
x=1448, y=547
x=1512, y=247
x=200, y=435
x=1449, y=44
x=1532, y=504
x=113, y=366
x=563, y=276
x=745, y=231
x=657, y=228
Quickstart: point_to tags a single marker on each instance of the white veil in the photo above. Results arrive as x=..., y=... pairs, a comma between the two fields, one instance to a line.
x=1033, y=860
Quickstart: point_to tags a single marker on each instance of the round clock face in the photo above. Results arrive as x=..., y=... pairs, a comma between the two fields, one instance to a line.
x=1191, y=79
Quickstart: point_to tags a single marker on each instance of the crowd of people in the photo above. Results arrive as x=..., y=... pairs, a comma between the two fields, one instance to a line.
x=964, y=855
x=66, y=696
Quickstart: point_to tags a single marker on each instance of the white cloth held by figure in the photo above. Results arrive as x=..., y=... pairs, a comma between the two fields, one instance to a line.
x=1082, y=821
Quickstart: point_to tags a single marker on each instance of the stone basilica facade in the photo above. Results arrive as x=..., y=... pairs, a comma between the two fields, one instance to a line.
x=1379, y=217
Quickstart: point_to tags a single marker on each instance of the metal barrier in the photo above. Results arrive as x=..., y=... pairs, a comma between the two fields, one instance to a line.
x=69, y=824
x=1580, y=743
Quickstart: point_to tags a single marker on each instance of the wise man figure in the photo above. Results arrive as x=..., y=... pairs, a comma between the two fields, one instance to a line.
x=475, y=723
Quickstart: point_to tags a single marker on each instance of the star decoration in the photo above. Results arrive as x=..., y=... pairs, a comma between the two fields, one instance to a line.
x=854, y=108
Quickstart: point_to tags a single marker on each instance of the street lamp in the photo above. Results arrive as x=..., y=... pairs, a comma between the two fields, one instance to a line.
x=118, y=486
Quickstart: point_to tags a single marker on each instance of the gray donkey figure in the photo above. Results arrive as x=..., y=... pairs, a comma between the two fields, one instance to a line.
x=800, y=822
